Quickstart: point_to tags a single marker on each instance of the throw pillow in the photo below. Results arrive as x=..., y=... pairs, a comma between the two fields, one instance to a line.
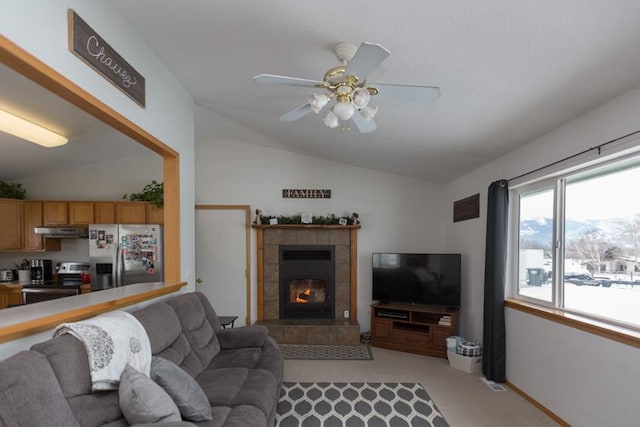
x=183, y=389
x=143, y=401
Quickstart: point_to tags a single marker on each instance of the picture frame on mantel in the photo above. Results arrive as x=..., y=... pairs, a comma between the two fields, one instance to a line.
x=467, y=208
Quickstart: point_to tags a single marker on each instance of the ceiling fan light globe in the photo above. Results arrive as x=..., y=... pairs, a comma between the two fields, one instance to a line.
x=318, y=102
x=360, y=98
x=369, y=113
x=331, y=120
x=344, y=110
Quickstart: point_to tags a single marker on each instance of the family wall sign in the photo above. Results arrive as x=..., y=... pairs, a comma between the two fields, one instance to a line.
x=94, y=51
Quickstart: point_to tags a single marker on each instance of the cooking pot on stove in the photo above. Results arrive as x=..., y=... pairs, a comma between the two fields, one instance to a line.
x=6, y=275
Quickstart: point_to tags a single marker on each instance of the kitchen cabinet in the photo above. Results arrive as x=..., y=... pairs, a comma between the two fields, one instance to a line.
x=154, y=215
x=10, y=295
x=10, y=224
x=131, y=212
x=55, y=213
x=104, y=212
x=31, y=218
x=81, y=213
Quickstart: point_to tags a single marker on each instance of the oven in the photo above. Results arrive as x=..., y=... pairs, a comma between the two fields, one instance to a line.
x=68, y=282
x=39, y=293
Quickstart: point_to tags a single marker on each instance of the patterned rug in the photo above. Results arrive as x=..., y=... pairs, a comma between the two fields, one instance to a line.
x=356, y=405
x=326, y=352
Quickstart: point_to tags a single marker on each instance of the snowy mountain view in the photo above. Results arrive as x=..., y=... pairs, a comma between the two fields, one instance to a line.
x=540, y=231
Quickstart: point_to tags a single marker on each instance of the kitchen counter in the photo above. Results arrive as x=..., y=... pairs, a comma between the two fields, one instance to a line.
x=28, y=320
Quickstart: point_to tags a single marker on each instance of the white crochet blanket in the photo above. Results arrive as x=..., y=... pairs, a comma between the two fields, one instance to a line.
x=112, y=340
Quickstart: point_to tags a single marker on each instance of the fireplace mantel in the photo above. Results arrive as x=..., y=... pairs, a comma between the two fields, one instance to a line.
x=269, y=235
x=303, y=226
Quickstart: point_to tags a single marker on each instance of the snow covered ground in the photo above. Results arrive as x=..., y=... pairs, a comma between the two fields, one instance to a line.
x=618, y=302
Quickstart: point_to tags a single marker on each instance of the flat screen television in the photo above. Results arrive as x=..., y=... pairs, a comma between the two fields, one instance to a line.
x=426, y=279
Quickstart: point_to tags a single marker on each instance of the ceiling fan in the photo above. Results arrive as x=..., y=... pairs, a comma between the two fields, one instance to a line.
x=347, y=94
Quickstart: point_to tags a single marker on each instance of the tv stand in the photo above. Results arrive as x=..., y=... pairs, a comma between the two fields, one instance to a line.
x=412, y=328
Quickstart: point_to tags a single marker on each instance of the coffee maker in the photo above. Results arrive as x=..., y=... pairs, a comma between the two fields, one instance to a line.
x=41, y=271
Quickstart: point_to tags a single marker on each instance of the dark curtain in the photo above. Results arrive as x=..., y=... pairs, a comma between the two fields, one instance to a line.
x=495, y=270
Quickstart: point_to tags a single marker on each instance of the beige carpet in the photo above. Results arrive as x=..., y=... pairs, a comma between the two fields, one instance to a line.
x=463, y=399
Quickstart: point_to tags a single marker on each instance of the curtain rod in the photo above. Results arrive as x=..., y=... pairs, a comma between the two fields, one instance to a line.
x=597, y=147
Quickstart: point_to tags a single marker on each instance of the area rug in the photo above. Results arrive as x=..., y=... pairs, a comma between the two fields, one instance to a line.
x=326, y=352
x=356, y=405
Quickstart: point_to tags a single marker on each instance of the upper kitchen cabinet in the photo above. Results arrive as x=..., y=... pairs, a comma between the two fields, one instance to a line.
x=154, y=215
x=104, y=212
x=10, y=224
x=55, y=213
x=31, y=218
x=81, y=213
x=131, y=212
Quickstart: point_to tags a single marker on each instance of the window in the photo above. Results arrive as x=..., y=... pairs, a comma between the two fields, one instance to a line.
x=578, y=243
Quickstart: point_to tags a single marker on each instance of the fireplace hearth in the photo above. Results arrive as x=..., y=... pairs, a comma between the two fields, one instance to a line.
x=307, y=281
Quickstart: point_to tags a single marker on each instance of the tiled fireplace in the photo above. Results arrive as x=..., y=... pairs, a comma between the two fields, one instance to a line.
x=307, y=280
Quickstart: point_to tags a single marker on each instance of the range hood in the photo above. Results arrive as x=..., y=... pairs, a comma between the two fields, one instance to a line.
x=64, y=232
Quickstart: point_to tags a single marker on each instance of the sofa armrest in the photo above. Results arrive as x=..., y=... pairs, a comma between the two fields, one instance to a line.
x=246, y=336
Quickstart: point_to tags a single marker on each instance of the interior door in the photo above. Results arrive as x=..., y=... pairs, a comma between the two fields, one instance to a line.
x=222, y=259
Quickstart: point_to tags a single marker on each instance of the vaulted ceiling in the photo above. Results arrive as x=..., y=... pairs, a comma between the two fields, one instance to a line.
x=508, y=71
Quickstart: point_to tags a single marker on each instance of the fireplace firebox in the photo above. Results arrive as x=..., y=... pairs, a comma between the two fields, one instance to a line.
x=307, y=281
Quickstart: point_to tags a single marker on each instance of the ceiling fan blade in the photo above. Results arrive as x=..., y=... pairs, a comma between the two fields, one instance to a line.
x=289, y=81
x=366, y=59
x=404, y=93
x=296, y=113
x=364, y=126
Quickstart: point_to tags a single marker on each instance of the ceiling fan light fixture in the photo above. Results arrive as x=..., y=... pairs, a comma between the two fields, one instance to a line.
x=29, y=131
x=343, y=110
x=369, y=113
x=331, y=120
x=318, y=102
x=360, y=98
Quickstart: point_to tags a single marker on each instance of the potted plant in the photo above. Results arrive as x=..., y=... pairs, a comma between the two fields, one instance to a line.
x=152, y=193
x=12, y=190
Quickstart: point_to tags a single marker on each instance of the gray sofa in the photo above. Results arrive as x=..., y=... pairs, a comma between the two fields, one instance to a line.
x=239, y=370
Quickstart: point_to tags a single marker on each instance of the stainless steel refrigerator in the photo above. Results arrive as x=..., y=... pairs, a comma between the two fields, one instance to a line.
x=124, y=254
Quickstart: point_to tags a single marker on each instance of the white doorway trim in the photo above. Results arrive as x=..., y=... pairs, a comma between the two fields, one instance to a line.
x=247, y=212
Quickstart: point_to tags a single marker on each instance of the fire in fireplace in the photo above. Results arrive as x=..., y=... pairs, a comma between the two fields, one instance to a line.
x=307, y=282
x=307, y=291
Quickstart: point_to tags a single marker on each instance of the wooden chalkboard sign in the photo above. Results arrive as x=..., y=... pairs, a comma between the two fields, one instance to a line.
x=466, y=208
x=87, y=45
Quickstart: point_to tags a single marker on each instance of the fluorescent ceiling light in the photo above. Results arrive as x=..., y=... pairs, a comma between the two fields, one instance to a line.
x=17, y=126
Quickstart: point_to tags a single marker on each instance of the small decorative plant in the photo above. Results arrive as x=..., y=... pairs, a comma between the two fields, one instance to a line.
x=12, y=190
x=152, y=193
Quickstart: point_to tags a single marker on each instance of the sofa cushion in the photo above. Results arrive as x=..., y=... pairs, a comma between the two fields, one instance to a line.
x=240, y=386
x=69, y=361
x=199, y=325
x=183, y=389
x=246, y=336
x=26, y=378
x=143, y=401
x=182, y=330
x=162, y=325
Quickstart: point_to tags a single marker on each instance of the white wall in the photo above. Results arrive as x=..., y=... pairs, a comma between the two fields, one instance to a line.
x=397, y=214
x=40, y=27
x=585, y=379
